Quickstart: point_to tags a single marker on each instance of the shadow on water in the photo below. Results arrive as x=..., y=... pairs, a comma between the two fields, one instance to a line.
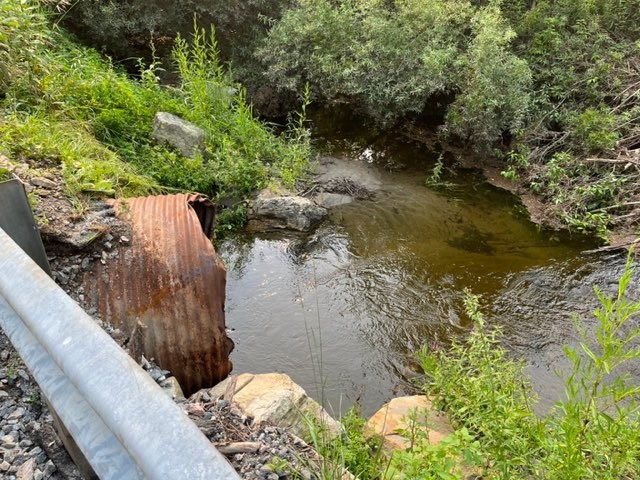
x=343, y=309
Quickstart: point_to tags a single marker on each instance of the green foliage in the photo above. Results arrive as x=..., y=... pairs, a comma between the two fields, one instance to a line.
x=486, y=392
x=392, y=60
x=592, y=433
x=361, y=455
x=517, y=159
x=22, y=33
x=494, y=88
x=582, y=193
x=449, y=459
x=586, y=106
x=88, y=165
x=229, y=219
x=5, y=174
x=435, y=180
x=67, y=103
x=243, y=152
x=593, y=130
x=349, y=449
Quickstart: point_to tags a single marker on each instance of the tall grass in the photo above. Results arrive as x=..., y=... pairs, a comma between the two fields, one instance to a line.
x=593, y=433
x=69, y=104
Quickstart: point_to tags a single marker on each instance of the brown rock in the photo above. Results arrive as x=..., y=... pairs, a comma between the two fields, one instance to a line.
x=195, y=409
x=392, y=418
x=43, y=182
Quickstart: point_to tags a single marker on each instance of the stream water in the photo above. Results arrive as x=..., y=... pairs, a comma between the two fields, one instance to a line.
x=343, y=310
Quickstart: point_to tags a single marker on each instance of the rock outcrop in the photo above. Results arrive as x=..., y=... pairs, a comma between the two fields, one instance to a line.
x=271, y=212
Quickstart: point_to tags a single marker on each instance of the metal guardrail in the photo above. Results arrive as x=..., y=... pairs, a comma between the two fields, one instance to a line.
x=122, y=422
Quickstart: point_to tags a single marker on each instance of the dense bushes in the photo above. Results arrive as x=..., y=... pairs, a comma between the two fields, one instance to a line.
x=526, y=82
x=391, y=61
x=586, y=69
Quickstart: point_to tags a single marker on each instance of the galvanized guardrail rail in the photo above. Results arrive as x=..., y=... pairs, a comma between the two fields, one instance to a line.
x=120, y=419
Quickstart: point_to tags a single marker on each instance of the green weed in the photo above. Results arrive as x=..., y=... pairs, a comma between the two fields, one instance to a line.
x=351, y=449
x=65, y=103
x=435, y=180
x=5, y=174
x=592, y=433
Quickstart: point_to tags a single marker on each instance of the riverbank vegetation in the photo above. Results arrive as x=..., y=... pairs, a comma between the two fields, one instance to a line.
x=64, y=104
x=551, y=89
x=593, y=432
x=547, y=91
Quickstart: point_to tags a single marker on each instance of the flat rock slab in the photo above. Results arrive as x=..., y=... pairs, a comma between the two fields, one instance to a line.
x=273, y=398
x=288, y=212
x=393, y=416
x=184, y=136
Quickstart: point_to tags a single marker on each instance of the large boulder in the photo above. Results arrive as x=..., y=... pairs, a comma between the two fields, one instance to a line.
x=276, y=399
x=184, y=136
x=393, y=416
x=269, y=212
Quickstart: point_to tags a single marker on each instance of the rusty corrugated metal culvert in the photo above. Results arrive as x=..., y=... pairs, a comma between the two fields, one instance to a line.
x=165, y=290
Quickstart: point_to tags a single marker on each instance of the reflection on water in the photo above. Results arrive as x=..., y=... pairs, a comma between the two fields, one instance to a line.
x=343, y=310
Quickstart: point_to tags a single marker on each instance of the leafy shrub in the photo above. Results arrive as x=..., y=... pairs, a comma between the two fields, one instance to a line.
x=486, y=392
x=494, y=90
x=450, y=459
x=393, y=60
x=594, y=130
x=22, y=32
x=592, y=433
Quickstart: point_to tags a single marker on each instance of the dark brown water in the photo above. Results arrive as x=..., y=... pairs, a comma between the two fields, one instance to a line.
x=342, y=310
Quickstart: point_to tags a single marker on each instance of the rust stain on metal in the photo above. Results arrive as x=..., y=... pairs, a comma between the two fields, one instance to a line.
x=165, y=290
